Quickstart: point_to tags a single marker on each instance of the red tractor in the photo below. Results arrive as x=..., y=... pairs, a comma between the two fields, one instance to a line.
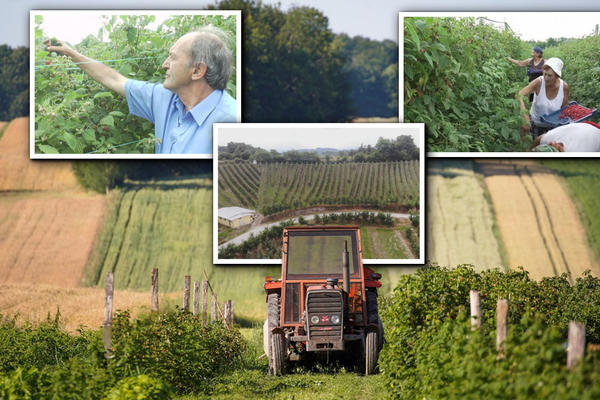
x=325, y=300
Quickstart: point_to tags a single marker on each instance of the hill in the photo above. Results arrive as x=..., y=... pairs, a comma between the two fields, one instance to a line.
x=21, y=173
x=276, y=187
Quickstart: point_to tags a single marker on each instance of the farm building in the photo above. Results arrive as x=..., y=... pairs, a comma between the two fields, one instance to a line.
x=234, y=217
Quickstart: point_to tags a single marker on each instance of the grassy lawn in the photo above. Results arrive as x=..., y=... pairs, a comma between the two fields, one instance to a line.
x=391, y=243
x=318, y=382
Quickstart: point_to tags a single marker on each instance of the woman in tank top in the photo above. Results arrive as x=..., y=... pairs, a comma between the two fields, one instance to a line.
x=534, y=64
x=550, y=94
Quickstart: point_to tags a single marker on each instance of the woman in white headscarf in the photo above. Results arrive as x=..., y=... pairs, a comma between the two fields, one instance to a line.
x=550, y=94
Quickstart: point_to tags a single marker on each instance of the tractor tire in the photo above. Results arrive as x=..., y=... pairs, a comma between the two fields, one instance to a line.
x=278, y=353
x=273, y=313
x=373, y=315
x=380, y=336
x=371, y=352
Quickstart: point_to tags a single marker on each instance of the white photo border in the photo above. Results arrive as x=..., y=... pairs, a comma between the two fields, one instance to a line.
x=493, y=14
x=375, y=126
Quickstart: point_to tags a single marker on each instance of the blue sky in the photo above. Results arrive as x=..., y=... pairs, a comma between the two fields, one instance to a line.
x=374, y=19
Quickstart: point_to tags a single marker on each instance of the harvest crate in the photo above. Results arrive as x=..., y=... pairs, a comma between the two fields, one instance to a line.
x=554, y=118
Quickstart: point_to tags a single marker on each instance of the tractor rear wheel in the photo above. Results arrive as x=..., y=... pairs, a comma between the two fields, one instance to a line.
x=373, y=315
x=278, y=353
x=371, y=352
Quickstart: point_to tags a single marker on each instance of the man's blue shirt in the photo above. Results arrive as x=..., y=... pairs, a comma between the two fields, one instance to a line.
x=180, y=132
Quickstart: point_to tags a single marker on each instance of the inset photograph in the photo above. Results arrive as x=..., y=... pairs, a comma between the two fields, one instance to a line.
x=495, y=83
x=132, y=84
x=268, y=177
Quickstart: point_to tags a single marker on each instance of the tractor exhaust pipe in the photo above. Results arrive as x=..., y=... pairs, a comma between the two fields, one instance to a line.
x=346, y=268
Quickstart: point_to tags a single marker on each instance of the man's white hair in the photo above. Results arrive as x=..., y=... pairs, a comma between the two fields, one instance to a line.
x=210, y=47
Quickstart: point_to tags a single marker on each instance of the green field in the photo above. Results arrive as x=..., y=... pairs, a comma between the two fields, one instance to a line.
x=460, y=219
x=388, y=244
x=582, y=179
x=276, y=187
x=168, y=225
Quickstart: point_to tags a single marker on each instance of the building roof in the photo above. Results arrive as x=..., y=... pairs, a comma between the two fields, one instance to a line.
x=232, y=213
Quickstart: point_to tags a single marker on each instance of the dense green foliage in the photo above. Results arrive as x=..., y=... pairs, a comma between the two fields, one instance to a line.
x=176, y=348
x=276, y=187
x=35, y=347
x=373, y=69
x=402, y=148
x=583, y=180
x=431, y=352
x=140, y=387
x=293, y=69
x=458, y=82
x=99, y=176
x=14, y=82
x=74, y=114
x=151, y=357
x=581, y=70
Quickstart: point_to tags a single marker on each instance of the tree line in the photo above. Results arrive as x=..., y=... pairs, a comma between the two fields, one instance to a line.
x=402, y=148
x=14, y=82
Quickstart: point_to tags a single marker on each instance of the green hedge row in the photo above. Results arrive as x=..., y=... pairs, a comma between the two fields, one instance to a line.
x=432, y=353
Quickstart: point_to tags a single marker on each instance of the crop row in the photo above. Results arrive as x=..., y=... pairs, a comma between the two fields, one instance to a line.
x=274, y=187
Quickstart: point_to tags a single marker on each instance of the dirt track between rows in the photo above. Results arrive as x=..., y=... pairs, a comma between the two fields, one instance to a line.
x=538, y=221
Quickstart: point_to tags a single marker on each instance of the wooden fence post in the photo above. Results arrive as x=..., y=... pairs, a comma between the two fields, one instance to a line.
x=226, y=314
x=108, y=307
x=196, y=298
x=576, y=344
x=204, y=302
x=186, y=293
x=475, y=309
x=231, y=313
x=501, y=326
x=154, y=298
x=213, y=309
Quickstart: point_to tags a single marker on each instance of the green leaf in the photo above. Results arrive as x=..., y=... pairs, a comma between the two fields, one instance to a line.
x=131, y=35
x=47, y=149
x=103, y=94
x=126, y=69
x=71, y=140
x=89, y=135
x=116, y=113
x=413, y=35
x=428, y=59
x=108, y=120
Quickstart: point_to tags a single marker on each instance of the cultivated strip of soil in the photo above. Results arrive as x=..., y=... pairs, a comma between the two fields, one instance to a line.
x=459, y=220
x=21, y=173
x=538, y=221
x=46, y=238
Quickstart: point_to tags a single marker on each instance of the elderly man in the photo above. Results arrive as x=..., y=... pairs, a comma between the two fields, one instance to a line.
x=576, y=137
x=192, y=97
